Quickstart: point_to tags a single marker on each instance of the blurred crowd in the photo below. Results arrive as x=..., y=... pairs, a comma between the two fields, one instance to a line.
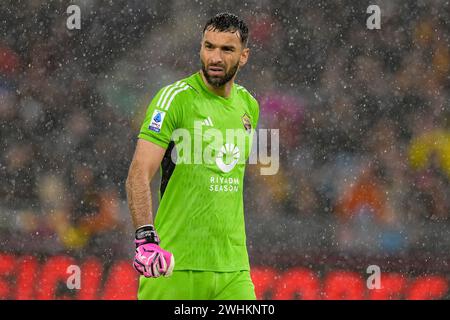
x=363, y=115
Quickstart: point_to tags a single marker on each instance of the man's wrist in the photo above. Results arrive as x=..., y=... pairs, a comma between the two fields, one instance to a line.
x=146, y=234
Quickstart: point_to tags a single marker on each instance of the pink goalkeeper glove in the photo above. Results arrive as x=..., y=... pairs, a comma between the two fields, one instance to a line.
x=151, y=260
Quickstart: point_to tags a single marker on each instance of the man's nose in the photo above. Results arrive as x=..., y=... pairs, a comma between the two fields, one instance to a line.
x=216, y=57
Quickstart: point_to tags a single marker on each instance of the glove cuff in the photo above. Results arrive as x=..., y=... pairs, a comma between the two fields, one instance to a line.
x=146, y=234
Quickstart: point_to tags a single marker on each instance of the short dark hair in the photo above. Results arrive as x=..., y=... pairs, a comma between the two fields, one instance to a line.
x=228, y=22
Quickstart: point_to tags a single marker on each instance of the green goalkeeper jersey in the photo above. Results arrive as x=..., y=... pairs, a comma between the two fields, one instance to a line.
x=208, y=139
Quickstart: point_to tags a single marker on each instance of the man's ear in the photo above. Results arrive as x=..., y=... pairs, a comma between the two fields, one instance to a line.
x=244, y=57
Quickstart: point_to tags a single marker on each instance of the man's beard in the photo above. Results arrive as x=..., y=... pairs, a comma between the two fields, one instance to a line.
x=218, y=82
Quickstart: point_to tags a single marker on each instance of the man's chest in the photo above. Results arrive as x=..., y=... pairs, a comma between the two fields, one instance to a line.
x=214, y=114
x=212, y=130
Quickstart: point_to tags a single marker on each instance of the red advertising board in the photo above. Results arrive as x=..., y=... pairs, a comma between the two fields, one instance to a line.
x=25, y=277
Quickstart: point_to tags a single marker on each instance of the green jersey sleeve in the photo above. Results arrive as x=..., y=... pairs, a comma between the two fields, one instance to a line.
x=253, y=105
x=163, y=115
x=255, y=113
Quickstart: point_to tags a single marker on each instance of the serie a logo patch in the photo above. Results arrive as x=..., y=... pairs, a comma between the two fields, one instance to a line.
x=157, y=120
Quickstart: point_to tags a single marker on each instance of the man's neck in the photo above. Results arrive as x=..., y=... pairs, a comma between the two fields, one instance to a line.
x=223, y=91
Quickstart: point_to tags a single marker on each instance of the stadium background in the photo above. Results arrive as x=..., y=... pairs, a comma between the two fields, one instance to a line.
x=364, y=142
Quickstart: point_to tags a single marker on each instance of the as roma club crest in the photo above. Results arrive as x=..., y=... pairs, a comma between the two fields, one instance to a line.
x=246, y=122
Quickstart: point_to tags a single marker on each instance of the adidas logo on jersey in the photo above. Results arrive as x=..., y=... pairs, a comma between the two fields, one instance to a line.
x=207, y=122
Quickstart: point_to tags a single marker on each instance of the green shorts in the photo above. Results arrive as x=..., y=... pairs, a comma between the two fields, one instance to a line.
x=198, y=285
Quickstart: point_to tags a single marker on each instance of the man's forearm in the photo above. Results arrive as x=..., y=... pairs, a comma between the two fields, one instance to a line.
x=139, y=196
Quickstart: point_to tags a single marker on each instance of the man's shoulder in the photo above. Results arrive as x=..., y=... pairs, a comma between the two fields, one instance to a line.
x=248, y=98
x=175, y=93
x=245, y=94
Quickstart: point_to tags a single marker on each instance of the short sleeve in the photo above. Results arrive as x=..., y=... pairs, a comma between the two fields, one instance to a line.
x=255, y=115
x=253, y=106
x=163, y=115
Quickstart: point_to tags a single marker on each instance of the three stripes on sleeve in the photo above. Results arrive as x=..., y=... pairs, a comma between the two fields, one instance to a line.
x=169, y=93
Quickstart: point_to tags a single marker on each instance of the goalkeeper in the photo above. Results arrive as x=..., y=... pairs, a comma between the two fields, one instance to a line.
x=196, y=246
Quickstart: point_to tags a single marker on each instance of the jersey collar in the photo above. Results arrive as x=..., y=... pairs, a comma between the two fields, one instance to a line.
x=198, y=84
